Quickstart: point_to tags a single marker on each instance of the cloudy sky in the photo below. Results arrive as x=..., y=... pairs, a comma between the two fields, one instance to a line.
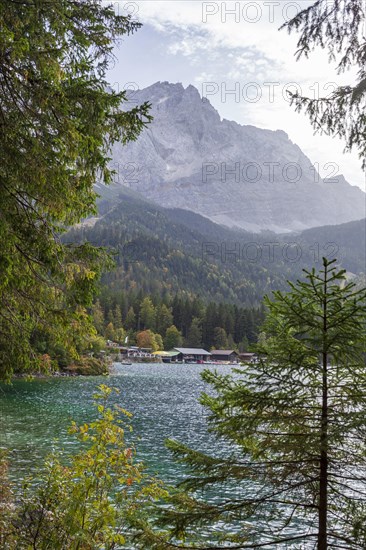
x=235, y=55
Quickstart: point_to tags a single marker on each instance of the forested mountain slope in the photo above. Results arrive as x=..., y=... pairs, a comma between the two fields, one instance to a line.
x=164, y=251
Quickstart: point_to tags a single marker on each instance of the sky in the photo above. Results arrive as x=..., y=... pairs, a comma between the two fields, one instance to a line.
x=236, y=56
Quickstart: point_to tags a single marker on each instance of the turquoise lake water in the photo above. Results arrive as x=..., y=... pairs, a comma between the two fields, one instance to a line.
x=163, y=399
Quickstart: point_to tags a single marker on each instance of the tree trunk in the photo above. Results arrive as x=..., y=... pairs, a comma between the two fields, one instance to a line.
x=323, y=480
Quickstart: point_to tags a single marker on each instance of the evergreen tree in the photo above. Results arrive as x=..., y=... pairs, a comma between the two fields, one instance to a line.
x=209, y=324
x=194, y=338
x=110, y=316
x=159, y=341
x=120, y=335
x=230, y=342
x=197, y=308
x=59, y=119
x=147, y=314
x=110, y=332
x=117, y=317
x=337, y=26
x=244, y=345
x=229, y=325
x=186, y=317
x=98, y=317
x=220, y=338
x=250, y=327
x=130, y=322
x=164, y=318
x=173, y=338
x=177, y=310
x=294, y=470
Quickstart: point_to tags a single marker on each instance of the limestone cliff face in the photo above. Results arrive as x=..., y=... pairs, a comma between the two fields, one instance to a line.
x=235, y=175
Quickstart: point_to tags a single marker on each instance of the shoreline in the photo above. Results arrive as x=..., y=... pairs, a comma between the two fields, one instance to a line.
x=108, y=371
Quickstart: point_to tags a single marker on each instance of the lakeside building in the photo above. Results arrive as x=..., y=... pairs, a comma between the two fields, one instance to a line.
x=191, y=354
x=225, y=355
x=248, y=357
x=167, y=356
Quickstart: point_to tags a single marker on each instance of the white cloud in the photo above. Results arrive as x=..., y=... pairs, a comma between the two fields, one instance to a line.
x=233, y=51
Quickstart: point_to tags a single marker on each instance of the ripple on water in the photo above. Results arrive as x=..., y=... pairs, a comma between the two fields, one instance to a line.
x=163, y=399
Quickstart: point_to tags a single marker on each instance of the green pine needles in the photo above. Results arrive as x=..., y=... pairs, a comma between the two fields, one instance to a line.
x=338, y=27
x=291, y=429
x=58, y=120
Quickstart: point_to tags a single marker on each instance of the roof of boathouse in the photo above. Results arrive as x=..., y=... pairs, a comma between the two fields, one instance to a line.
x=193, y=351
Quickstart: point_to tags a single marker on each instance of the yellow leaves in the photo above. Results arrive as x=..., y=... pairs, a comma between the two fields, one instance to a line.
x=89, y=274
x=101, y=489
x=73, y=428
x=105, y=391
x=155, y=491
x=128, y=414
x=119, y=539
x=128, y=453
x=112, y=439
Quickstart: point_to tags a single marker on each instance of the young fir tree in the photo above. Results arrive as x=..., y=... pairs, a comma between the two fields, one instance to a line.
x=292, y=468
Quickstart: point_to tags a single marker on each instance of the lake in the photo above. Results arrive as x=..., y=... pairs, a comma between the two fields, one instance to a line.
x=163, y=398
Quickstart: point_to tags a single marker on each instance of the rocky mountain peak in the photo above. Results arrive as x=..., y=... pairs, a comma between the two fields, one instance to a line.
x=236, y=175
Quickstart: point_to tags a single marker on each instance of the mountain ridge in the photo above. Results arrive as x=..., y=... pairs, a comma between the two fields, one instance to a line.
x=236, y=175
x=161, y=251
